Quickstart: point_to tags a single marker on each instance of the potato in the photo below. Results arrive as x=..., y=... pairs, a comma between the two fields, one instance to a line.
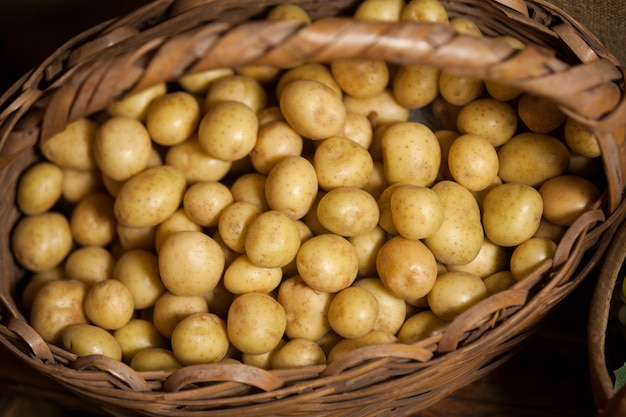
x=196, y=164
x=39, y=188
x=234, y=222
x=385, y=217
x=459, y=90
x=250, y=188
x=170, y=309
x=179, y=221
x=306, y=309
x=286, y=11
x=380, y=109
x=256, y=323
x=532, y=158
x=291, y=186
x=539, y=114
x=465, y=26
x=425, y=11
x=272, y=240
x=417, y=212
x=367, y=245
x=473, y=162
x=492, y=119
x=109, y=304
x=200, y=82
x=190, y=263
x=275, y=140
x=121, y=147
x=137, y=335
x=454, y=293
x=155, y=359
x=312, y=108
x=200, y=338
x=460, y=237
x=416, y=86
x=501, y=91
x=243, y=276
x=353, y=312
x=358, y=129
x=581, y=139
x=150, y=197
x=93, y=220
x=361, y=77
x=391, y=309
x=420, y=326
x=35, y=282
x=308, y=71
x=136, y=105
x=345, y=346
x=205, y=201
x=327, y=262
x=77, y=184
x=566, y=197
x=73, y=147
x=511, y=213
x=57, y=305
x=499, y=281
x=550, y=230
x=383, y=10
x=491, y=258
x=411, y=154
x=89, y=264
x=172, y=118
x=348, y=211
x=341, y=162
x=297, y=353
x=41, y=242
x=528, y=255
x=237, y=87
x=228, y=130
x=87, y=339
x=407, y=268
x=138, y=270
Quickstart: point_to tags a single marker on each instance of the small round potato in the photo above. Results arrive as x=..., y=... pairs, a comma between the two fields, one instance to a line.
x=137, y=335
x=380, y=10
x=539, y=114
x=348, y=211
x=491, y=258
x=237, y=87
x=492, y=119
x=420, y=326
x=89, y=264
x=93, y=220
x=138, y=270
x=353, y=312
x=109, y=304
x=341, y=162
x=77, y=184
x=256, y=323
x=196, y=164
x=172, y=118
x=272, y=240
x=380, y=109
x=361, y=77
x=297, y=353
x=581, y=139
x=459, y=90
x=87, y=339
x=200, y=82
x=566, y=197
x=417, y=212
x=190, y=263
x=250, y=188
x=234, y=222
x=308, y=71
x=41, y=242
x=244, y=276
x=327, y=262
x=367, y=245
x=358, y=129
x=35, y=282
x=155, y=359
x=275, y=140
x=499, y=281
x=528, y=255
x=407, y=268
x=455, y=292
x=416, y=86
x=312, y=108
x=205, y=201
x=39, y=188
x=473, y=162
x=73, y=147
x=425, y=11
x=291, y=186
x=170, y=309
x=391, y=309
x=306, y=309
x=287, y=11
x=136, y=105
x=200, y=338
x=177, y=222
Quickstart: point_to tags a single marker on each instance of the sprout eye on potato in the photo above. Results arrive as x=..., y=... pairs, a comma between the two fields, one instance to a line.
x=283, y=217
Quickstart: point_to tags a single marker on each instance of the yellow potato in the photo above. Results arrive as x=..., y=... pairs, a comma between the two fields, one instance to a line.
x=136, y=105
x=228, y=130
x=41, y=242
x=473, y=162
x=511, y=213
x=122, y=147
x=454, y=293
x=200, y=338
x=327, y=262
x=380, y=108
x=528, y=255
x=348, y=211
x=256, y=323
x=275, y=140
x=109, y=304
x=205, y=201
x=234, y=222
x=150, y=197
x=566, y=197
x=581, y=139
x=244, y=276
x=353, y=312
x=500, y=91
x=345, y=346
x=190, y=263
x=87, y=339
x=420, y=326
x=73, y=147
x=89, y=264
x=77, y=184
x=367, y=245
x=173, y=118
x=177, y=222
x=358, y=129
x=425, y=11
x=417, y=212
x=287, y=11
x=306, y=309
x=492, y=119
x=416, y=86
x=291, y=186
x=377, y=182
x=539, y=114
x=391, y=309
x=93, y=220
x=138, y=270
x=361, y=77
x=272, y=240
x=155, y=359
x=384, y=10
x=297, y=353
x=407, y=268
x=250, y=188
x=465, y=26
x=200, y=82
x=35, y=282
x=385, y=217
x=459, y=90
x=460, y=237
x=58, y=304
x=196, y=165
x=237, y=87
x=137, y=335
x=499, y=281
x=39, y=188
x=312, y=108
x=341, y=162
x=411, y=154
x=308, y=71
x=491, y=258
x=532, y=158
x=445, y=139
x=170, y=309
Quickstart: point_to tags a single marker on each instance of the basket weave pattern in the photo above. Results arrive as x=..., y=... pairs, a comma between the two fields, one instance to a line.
x=167, y=39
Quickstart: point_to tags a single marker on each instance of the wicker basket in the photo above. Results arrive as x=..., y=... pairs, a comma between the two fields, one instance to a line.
x=167, y=38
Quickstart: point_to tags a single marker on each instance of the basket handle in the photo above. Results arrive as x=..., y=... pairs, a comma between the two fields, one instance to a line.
x=123, y=375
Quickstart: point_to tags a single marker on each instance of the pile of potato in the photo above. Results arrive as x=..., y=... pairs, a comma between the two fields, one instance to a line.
x=281, y=218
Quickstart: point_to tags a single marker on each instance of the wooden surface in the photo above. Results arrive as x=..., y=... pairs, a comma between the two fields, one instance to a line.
x=548, y=378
